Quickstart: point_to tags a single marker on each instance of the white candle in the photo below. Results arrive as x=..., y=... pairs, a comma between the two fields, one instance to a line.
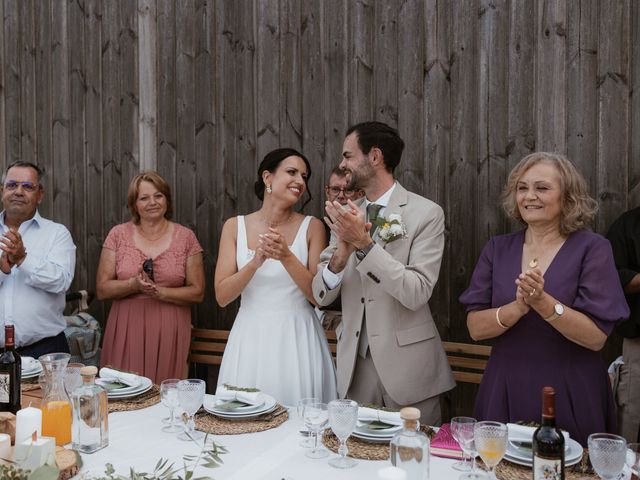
x=31, y=454
x=5, y=447
x=392, y=473
x=28, y=420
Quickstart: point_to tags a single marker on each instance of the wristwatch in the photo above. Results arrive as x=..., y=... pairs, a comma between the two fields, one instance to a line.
x=558, y=310
x=362, y=252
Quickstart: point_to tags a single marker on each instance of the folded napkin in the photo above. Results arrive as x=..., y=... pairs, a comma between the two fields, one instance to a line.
x=109, y=374
x=251, y=398
x=27, y=363
x=444, y=445
x=366, y=414
x=521, y=433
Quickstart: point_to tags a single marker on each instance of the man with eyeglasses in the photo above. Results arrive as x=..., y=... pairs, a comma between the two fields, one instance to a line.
x=37, y=263
x=337, y=188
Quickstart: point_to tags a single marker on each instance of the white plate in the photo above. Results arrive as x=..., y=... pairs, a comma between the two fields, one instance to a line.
x=209, y=406
x=527, y=451
x=124, y=390
x=369, y=439
x=572, y=456
x=34, y=371
x=246, y=409
x=144, y=386
x=362, y=429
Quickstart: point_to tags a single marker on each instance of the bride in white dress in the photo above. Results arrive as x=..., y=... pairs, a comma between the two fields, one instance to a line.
x=269, y=258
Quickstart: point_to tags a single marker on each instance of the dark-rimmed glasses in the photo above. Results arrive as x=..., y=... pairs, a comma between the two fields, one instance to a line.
x=26, y=186
x=337, y=190
x=147, y=267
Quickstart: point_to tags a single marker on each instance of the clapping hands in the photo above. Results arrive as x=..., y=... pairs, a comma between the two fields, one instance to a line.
x=273, y=245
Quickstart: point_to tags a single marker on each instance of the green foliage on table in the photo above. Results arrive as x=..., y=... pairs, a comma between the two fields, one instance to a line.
x=241, y=389
x=12, y=472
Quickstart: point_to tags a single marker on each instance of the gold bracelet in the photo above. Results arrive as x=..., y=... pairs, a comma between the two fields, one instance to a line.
x=502, y=325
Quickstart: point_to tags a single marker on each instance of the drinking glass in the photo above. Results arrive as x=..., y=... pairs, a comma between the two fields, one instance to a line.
x=464, y=464
x=316, y=418
x=169, y=397
x=633, y=460
x=466, y=435
x=343, y=416
x=190, y=396
x=307, y=442
x=72, y=377
x=491, y=442
x=607, y=453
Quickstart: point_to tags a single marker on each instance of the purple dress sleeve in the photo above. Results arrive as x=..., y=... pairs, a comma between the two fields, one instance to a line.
x=478, y=295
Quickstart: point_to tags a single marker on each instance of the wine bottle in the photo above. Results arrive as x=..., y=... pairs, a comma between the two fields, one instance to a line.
x=548, y=442
x=10, y=373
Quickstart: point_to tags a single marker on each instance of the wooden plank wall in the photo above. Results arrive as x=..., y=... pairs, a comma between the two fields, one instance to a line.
x=200, y=90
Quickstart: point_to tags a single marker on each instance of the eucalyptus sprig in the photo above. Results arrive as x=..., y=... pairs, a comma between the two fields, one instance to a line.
x=233, y=388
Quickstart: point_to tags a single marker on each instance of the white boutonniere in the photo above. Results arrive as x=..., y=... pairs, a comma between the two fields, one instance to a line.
x=391, y=228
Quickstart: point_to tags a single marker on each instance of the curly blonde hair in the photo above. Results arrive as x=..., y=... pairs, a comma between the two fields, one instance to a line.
x=578, y=207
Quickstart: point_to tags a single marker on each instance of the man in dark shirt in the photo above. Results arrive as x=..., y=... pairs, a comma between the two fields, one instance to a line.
x=624, y=236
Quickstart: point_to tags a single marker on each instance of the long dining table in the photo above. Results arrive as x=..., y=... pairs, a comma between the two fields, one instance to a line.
x=136, y=440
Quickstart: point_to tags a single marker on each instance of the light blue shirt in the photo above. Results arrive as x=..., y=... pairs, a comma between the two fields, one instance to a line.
x=331, y=279
x=32, y=296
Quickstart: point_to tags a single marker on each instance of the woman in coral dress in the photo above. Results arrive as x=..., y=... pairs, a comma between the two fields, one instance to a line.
x=153, y=271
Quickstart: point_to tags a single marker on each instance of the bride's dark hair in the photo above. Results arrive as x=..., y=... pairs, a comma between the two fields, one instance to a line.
x=270, y=163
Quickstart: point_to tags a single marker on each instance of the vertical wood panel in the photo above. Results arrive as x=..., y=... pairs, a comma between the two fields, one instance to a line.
x=148, y=91
x=361, y=85
x=411, y=55
x=167, y=114
x=12, y=81
x=613, y=92
x=633, y=159
x=58, y=180
x=582, y=90
x=290, y=81
x=207, y=192
x=3, y=91
x=268, y=78
x=550, y=75
x=77, y=163
x=185, y=168
x=385, y=66
x=43, y=92
x=27, y=83
x=313, y=99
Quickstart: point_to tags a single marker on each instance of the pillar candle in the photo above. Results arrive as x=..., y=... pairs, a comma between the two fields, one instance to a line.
x=34, y=453
x=392, y=473
x=28, y=420
x=5, y=447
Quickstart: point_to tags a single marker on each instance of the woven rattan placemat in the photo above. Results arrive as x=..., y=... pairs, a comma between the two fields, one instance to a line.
x=510, y=471
x=28, y=385
x=219, y=426
x=361, y=449
x=147, y=399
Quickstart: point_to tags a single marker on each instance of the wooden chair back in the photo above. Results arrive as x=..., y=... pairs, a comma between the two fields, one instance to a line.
x=207, y=346
x=467, y=360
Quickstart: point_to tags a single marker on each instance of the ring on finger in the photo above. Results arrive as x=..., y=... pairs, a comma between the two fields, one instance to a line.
x=532, y=293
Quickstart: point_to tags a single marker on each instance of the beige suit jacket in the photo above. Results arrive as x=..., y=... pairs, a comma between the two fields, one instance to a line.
x=393, y=283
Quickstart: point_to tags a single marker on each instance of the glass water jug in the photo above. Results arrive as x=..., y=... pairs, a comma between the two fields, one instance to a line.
x=90, y=413
x=56, y=404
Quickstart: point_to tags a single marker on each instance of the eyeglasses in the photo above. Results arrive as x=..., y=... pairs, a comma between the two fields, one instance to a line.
x=147, y=267
x=26, y=186
x=337, y=190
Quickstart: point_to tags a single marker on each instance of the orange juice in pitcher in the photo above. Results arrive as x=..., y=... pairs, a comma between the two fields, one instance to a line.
x=56, y=421
x=56, y=405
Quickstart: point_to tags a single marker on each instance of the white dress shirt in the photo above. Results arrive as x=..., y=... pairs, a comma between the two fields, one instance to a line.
x=32, y=296
x=333, y=279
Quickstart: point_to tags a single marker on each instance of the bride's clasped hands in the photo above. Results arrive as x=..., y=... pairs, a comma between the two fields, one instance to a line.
x=273, y=245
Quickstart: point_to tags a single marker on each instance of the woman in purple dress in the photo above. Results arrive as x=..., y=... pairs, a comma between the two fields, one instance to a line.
x=548, y=296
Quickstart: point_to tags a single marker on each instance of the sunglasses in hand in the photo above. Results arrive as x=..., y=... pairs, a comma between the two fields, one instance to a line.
x=147, y=267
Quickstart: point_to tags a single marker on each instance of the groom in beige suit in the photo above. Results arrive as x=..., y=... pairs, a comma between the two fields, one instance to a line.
x=389, y=350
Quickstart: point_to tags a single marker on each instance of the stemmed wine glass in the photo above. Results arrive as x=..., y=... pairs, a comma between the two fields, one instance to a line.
x=343, y=416
x=608, y=454
x=316, y=418
x=306, y=442
x=466, y=435
x=169, y=397
x=491, y=442
x=633, y=459
x=190, y=396
x=462, y=465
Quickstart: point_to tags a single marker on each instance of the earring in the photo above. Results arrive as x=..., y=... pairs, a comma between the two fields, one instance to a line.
x=268, y=188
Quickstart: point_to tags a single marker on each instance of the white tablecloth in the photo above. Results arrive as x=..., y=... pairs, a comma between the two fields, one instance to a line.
x=136, y=440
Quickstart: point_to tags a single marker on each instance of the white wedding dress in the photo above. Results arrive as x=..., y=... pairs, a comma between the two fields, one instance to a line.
x=277, y=343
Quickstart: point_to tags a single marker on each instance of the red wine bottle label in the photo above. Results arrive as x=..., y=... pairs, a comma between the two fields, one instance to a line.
x=547, y=468
x=5, y=386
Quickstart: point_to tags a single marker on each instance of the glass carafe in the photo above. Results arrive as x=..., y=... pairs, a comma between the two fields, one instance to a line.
x=90, y=413
x=56, y=404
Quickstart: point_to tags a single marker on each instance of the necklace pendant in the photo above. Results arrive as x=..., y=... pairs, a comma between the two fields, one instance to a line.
x=533, y=263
